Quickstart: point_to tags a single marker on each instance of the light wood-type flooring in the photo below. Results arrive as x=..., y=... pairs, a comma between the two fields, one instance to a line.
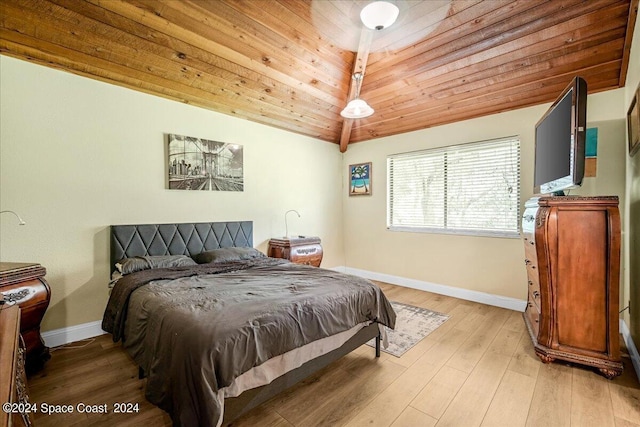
x=478, y=369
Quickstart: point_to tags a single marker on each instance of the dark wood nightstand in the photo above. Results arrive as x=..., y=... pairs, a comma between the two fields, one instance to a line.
x=24, y=284
x=300, y=250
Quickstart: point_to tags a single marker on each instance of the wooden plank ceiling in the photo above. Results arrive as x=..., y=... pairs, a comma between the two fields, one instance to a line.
x=288, y=63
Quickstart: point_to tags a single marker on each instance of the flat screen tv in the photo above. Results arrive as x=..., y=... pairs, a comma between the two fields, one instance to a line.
x=560, y=142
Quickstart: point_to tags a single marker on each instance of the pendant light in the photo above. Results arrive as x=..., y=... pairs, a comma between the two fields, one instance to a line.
x=357, y=108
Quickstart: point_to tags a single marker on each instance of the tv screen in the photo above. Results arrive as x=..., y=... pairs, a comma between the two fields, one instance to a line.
x=560, y=141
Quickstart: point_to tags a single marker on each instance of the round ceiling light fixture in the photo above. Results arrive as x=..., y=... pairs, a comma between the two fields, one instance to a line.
x=379, y=15
x=416, y=20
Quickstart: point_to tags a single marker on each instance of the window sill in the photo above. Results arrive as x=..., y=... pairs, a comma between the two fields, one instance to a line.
x=475, y=233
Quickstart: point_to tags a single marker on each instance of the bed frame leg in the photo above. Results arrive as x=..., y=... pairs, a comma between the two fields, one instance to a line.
x=378, y=345
x=140, y=373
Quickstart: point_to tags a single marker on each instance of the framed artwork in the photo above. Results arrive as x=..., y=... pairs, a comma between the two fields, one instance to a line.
x=360, y=179
x=202, y=164
x=633, y=123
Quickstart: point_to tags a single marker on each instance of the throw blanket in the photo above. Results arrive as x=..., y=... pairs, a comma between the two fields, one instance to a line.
x=199, y=328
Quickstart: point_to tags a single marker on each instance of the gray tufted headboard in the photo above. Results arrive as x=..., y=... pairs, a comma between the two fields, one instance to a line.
x=177, y=239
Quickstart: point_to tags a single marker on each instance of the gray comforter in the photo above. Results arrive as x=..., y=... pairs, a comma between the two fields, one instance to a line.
x=205, y=326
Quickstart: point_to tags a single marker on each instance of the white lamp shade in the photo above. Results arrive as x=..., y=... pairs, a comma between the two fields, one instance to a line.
x=379, y=15
x=356, y=109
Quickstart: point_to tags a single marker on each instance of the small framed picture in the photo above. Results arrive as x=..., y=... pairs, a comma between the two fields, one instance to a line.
x=360, y=179
x=633, y=123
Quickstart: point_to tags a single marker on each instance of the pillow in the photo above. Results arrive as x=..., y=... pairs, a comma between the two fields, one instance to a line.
x=138, y=263
x=227, y=254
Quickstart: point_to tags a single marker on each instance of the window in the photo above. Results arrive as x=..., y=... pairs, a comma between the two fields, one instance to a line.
x=467, y=189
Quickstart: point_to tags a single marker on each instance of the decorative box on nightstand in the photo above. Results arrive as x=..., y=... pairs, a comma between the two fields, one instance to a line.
x=23, y=284
x=301, y=250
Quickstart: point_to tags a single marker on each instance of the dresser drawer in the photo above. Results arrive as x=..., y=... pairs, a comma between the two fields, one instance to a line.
x=533, y=278
x=529, y=240
x=533, y=281
x=530, y=252
x=33, y=298
x=532, y=314
x=534, y=296
x=301, y=250
x=306, y=254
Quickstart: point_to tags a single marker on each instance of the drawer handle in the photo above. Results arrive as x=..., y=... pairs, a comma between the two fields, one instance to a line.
x=529, y=304
x=536, y=294
x=533, y=243
x=527, y=262
x=530, y=283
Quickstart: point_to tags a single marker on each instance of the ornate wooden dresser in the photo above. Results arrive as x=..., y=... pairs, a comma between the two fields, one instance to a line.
x=301, y=250
x=24, y=285
x=572, y=249
x=13, y=381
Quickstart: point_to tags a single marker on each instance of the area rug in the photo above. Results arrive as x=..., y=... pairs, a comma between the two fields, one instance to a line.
x=412, y=325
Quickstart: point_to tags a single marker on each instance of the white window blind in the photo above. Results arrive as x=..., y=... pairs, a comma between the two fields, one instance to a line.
x=469, y=189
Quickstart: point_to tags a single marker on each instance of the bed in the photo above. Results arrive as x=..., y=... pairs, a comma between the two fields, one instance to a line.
x=219, y=338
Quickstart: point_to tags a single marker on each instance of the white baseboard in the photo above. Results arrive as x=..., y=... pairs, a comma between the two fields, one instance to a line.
x=58, y=337
x=481, y=297
x=633, y=350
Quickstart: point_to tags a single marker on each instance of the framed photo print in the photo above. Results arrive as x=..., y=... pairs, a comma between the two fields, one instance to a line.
x=203, y=165
x=633, y=123
x=360, y=179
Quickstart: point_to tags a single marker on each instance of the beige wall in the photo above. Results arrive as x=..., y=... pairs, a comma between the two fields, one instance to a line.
x=632, y=273
x=77, y=155
x=491, y=265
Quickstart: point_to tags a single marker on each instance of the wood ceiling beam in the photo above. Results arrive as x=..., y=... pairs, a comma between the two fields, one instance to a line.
x=359, y=65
